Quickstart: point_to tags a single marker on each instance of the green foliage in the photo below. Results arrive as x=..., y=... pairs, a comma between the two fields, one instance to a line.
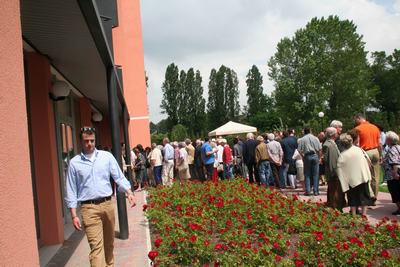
x=171, y=92
x=386, y=76
x=256, y=100
x=157, y=138
x=223, y=97
x=183, y=99
x=322, y=68
x=265, y=122
x=179, y=133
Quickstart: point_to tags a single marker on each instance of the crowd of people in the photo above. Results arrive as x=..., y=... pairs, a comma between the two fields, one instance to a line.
x=350, y=163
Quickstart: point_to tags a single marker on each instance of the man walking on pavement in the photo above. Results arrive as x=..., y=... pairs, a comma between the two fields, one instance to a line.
x=88, y=182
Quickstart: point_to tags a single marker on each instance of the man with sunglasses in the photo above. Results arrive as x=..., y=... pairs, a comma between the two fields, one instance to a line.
x=88, y=183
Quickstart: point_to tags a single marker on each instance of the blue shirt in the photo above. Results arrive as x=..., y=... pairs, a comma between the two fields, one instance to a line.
x=207, y=159
x=90, y=178
x=168, y=152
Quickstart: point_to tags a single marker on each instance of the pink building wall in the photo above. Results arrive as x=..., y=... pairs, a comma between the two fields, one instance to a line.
x=17, y=224
x=128, y=52
x=45, y=150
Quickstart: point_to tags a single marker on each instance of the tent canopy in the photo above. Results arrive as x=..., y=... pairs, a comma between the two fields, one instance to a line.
x=232, y=128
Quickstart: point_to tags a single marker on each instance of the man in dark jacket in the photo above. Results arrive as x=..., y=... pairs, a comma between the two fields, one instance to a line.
x=249, y=151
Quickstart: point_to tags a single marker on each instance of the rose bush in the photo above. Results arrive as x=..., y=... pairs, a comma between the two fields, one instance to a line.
x=236, y=223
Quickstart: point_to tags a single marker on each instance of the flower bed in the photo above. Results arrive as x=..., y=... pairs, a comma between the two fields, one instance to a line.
x=235, y=223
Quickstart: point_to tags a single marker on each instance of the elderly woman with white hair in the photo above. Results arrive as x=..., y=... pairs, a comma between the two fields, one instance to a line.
x=275, y=158
x=182, y=163
x=391, y=166
x=354, y=175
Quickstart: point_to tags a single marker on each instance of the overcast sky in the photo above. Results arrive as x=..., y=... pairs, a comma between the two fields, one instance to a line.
x=204, y=34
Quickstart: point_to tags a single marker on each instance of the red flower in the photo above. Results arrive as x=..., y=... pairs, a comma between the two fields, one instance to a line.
x=158, y=242
x=276, y=245
x=385, y=254
x=178, y=207
x=302, y=244
x=145, y=207
x=278, y=258
x=206, y=243
x=288, y=243
x=152, y=255
x=345, y=246
x=299, y=263
x=173, y=244
x=193, y=238
x=218, y=246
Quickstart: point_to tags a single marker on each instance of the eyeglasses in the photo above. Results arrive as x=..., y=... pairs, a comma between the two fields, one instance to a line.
x=88, y=129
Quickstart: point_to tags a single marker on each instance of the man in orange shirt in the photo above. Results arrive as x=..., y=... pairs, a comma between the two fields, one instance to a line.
x=369, y=138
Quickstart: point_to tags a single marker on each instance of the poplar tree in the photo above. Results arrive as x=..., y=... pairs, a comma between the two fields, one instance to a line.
x=170, y=102
x=256, y=100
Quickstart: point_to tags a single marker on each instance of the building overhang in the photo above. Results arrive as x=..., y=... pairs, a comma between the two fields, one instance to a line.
x=72, y=36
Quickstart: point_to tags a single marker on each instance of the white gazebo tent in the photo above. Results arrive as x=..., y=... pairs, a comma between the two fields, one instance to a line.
x=232, y=128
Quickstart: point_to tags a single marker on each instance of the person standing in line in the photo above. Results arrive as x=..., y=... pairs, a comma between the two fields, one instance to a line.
x=220, y=152
x=249, y=151
x=198, y=162
x=262, y=161
x=353, y=170
x=88, y=183
x=310, y=150
x=275, y=153
x=237, y=157
x=299, y=168
x=289, y=145
x=208, y=157
x=369, y=141
x=335, y=196
x=391, y=166
x=168, y=164
x=183, y=163
x=140, y=169
x=190, y=150
x=227, y=160
x=156, y=160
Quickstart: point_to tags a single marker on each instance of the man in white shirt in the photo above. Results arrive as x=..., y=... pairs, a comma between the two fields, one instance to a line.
x=156, y=162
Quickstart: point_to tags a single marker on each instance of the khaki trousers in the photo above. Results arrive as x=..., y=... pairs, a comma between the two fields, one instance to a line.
x=99, y=221
x=168, y=172
x=373, y=155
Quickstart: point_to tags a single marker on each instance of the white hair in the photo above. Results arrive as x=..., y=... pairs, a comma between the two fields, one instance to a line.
x=336, y=124
x=331, y=132
x=250, y=136
x=271, y=137
x=392, y=136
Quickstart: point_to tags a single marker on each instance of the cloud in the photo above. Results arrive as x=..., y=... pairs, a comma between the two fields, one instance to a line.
x=239, y=33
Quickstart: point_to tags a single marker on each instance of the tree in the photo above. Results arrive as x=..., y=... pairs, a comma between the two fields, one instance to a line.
x=170, y=89
x=223, y=97
x=196, y=106
x=256, y=100
x=179, y=133
x=322, y=68
x=386, y=76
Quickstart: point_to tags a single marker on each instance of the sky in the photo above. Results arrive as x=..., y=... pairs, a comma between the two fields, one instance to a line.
x=205, y=34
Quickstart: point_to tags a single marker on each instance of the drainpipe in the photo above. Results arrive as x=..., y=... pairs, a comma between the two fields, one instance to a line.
x=127, y=145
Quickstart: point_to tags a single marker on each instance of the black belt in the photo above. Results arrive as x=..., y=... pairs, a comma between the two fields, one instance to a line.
x=96, y=201
x=310, y=153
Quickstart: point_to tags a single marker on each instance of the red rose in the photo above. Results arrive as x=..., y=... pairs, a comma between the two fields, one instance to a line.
x=173, y=244
x=276, y=245
x=145, y=207
x=193, y=238
x=299, y=263
x=206, y=243
x=278, y=258
x=288, y=243
x=158, y=242
x=218, y=246
x=385, y=254
x=152, y=255
x=345, y=246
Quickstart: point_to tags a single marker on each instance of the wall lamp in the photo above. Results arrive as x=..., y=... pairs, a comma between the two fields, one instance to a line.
x=97, y=117
x=59, y=91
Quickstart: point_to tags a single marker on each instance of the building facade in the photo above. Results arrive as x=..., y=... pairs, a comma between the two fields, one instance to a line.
x=65, y=64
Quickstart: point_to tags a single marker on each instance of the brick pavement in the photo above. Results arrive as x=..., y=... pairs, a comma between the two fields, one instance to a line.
x=131, y=252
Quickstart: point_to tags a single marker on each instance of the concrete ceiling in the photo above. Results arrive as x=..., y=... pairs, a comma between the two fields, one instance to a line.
x=57, y=29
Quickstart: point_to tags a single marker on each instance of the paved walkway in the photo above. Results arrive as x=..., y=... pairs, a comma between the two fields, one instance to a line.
x=130, y=252
x=133, y=252
x=384, y=206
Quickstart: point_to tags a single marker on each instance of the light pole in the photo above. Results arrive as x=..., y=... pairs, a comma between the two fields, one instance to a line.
x=321, y=116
